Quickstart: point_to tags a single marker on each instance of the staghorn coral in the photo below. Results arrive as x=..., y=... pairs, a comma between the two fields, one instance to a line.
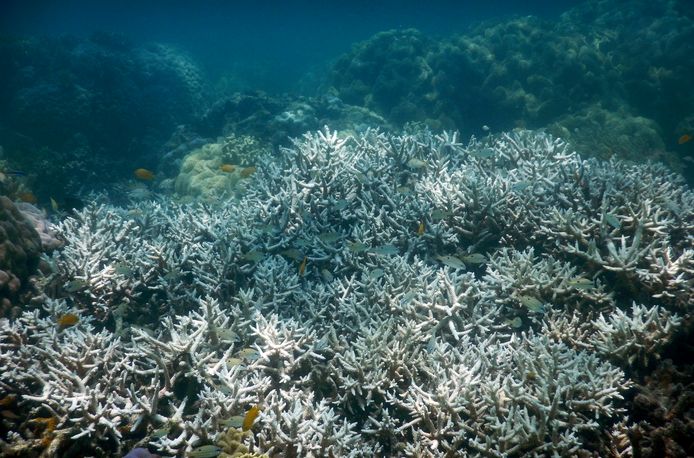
x=326, y=295
x=635, y=339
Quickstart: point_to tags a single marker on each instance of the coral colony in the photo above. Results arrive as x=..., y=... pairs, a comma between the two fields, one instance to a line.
x=366, y=295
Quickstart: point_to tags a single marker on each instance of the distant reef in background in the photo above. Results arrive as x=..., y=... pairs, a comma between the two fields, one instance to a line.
x=610, y=79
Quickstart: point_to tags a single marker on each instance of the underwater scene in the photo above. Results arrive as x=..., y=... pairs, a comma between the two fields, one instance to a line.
x=347, y=229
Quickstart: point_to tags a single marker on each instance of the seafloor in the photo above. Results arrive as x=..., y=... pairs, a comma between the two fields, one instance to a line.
x=477, y=245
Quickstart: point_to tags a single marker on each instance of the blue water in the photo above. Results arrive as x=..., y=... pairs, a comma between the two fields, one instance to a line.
x=283, y=38
x=93, y=90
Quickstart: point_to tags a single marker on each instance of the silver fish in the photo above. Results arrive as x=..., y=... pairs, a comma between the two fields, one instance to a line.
x=385, y=250
x=451, y=261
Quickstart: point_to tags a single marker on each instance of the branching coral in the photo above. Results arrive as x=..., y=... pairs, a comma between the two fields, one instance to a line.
x=372, y=295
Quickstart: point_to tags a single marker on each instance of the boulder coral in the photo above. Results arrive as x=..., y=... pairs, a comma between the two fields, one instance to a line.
x=216, y=170
x=20, y=248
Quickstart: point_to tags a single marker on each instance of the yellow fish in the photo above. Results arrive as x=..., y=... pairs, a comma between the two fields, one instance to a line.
x=144, y=174
x=67, y=320
x=420, y=229
x=250, y=417
x=228, y=168
x=684, y=139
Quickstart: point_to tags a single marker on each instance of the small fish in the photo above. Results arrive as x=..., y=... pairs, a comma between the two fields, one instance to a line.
x=292, y=253
x=75, y=285
x=254, y=256
x=515, y=323
x=247, y=171
x=451, y=261
x=122, y=268
x=612, y=220
x=581, y=283
x=416, y=164
x=532, y=303
x=233, y=422
x=376, y=273
x=227, y=168
x=144, y=174
x=8, y=400
x=327, y=275
x=438, y=215
x=67, y=320
x=329, y=237
x=205, y=451
x=420, y=228
x=172, y=275
x=385, y=250
x=234, y=361
x=684, y=139
x=248, y=353
x=54, y=205
x=357, y=247
x=408, y=297
x=403, y=190
x=224, y=389
x=341, y=204
x=302, y=266
x=474, y=258
x=27, y=197
x=250, y=417
x=158, y=433
x=16, y=173
x=485, y=128
x=227, y=335
x=520, y=185
x=483, y=153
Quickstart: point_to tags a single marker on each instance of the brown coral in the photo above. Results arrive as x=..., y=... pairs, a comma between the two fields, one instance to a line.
x=20, y=248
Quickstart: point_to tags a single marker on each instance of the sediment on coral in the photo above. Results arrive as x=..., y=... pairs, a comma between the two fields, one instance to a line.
x=375, y=294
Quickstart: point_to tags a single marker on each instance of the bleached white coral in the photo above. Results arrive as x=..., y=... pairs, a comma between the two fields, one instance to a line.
x=373, y=295
x=635, y=338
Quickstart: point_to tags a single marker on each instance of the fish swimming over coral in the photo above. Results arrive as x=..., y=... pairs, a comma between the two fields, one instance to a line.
x=144, y=174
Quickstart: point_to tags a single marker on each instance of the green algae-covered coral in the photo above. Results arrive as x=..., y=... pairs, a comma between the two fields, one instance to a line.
x=603, y=133
x=217, y=170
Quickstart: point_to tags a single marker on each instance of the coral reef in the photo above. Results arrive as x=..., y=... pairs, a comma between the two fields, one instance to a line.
x=608, y=133
x=628, y=67
x=662, y=413
x=39, y=220
x=65, y=118
x=219, y=170
x=373, y=295
x=275, y=118
x=20, y=248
